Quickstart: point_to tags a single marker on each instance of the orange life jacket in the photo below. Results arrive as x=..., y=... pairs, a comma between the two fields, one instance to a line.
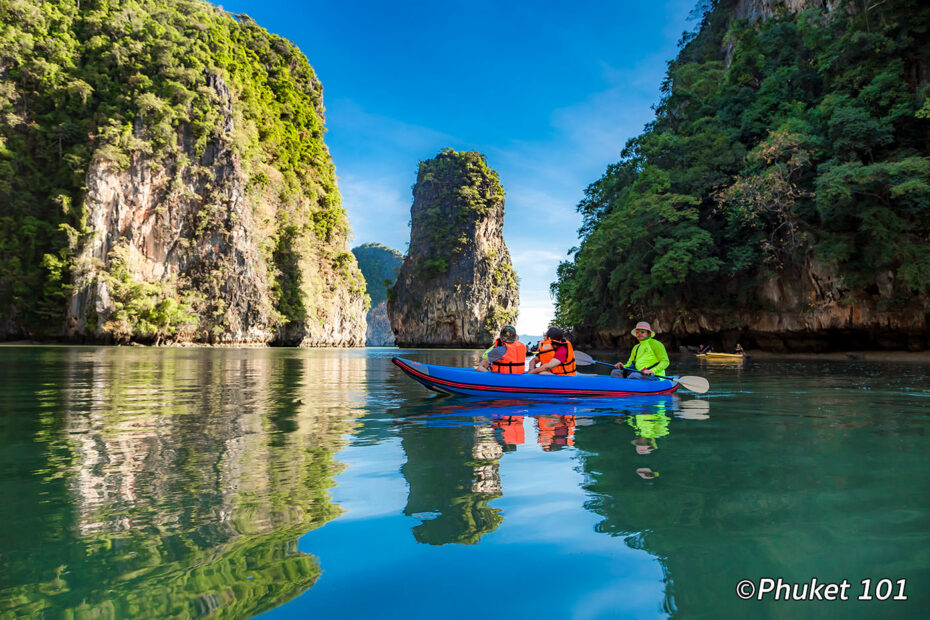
x=547, y=353
x=514, y=361
x=511, y=428
x=556, y=431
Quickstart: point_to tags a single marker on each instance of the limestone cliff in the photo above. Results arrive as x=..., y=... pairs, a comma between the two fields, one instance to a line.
x=379, y=265
x=457, y=286
x=756, y=207
x=187, y=194
x=764, y=9
x=810, y=310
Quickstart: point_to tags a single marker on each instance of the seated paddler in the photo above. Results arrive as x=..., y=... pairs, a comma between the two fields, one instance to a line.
x=507, y=355
x=555, y=355
x=647, y=359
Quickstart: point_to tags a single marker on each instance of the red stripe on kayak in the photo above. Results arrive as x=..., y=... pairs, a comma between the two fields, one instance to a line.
x=470, y=386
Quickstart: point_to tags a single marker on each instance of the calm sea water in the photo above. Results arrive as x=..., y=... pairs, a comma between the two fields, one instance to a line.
x=179, y=483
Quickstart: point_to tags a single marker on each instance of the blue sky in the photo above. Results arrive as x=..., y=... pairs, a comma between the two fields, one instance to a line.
x=548, y=91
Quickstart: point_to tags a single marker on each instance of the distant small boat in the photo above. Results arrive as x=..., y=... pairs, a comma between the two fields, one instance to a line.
x=726, y=356
x=470, y=382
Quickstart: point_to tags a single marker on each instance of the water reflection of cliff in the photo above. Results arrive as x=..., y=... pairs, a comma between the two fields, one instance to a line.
x=190, y=474
x=454, y=446
x=453, y=473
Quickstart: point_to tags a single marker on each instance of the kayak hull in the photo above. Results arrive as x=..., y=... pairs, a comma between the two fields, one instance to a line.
x=469, y=382
x=722, y=356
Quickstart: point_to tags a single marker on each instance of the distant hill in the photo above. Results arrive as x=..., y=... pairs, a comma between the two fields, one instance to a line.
x=380, y=265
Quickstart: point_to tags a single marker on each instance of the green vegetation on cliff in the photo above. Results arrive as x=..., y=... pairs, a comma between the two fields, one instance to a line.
x=457, y=285
x=458, y=187
x=109, y=79
x=148, y=308
x=801, y=139
x=380, y=266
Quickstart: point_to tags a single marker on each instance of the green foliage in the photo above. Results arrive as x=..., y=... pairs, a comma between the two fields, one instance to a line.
x=497, y=318
x=505, y=275
x=803, y=136
x=455, y=188
x=145, y=309
x=287, y=283
x=767, y=198
x=108, y=79
x=379, y=265
x=877, y=218
x=434, y=266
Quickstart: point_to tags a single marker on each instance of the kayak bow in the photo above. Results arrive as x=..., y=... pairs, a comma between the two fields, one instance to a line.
x=469, y=382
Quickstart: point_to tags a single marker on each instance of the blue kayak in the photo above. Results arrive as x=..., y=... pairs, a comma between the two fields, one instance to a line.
x=470, y=382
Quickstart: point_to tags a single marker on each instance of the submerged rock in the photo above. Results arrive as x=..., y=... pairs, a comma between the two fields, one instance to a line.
x=457, y=286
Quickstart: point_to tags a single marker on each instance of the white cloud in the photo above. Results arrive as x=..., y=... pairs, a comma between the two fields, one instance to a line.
x=534, y=320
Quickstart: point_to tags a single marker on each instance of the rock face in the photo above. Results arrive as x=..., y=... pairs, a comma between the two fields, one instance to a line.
x=808, y=311
x=380, y=266
x=201, y=203
x=379, y=332
x=155, y=218
x=457, y=286
x=764, y=9
x=198, y=222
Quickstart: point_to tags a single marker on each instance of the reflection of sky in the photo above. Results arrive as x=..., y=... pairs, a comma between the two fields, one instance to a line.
x=549, y=92
x=544, y=560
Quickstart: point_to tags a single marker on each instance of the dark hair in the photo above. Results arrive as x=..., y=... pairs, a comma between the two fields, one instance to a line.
x=554, y=333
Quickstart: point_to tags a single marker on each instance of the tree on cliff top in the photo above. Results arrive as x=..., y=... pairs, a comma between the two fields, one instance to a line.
x=803, y=137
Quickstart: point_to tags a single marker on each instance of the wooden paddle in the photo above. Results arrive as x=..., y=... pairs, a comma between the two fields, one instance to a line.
x=695, y=384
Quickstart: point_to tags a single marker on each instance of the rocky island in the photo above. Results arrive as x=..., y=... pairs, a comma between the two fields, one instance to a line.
x=779, y=199
x=167, y=183
x=457, y=286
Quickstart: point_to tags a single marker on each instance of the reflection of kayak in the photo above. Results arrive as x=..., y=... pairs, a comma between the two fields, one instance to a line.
x=474, y=407
x=493, y=385
x=727, y=356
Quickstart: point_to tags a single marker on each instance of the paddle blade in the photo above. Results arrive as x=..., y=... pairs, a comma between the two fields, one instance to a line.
x=694, y=409
x=583, y=359
x=695, y=384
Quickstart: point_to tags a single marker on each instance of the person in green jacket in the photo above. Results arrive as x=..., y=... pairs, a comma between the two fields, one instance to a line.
x=647, y=359
x=648, y=427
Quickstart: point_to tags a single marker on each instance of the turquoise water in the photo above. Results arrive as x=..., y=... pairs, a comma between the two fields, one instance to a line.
x=141, y=482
